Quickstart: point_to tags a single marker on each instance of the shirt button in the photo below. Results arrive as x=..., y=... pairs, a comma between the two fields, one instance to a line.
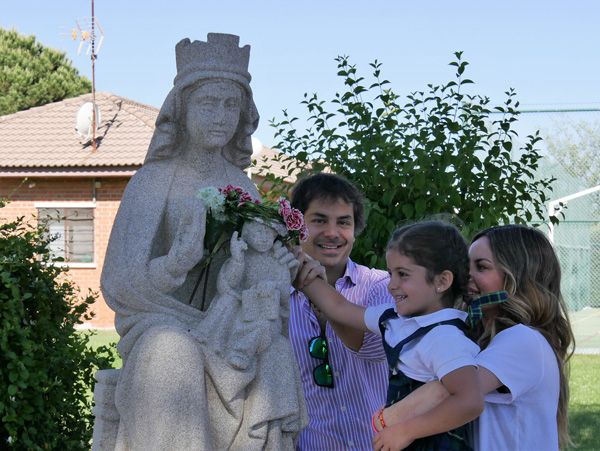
x=343, y=408
x=350, y=443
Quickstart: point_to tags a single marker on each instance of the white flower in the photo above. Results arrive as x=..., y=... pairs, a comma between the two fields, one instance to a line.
x=213, y=200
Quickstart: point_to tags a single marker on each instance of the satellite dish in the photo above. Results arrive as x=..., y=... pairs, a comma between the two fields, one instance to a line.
x=257, y=147
x=83, y=122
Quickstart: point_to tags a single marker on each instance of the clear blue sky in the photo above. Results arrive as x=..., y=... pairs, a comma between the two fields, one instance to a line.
x=548, y=50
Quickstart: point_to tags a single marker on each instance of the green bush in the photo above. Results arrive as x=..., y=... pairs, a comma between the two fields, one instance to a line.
x=46, y=367
x=443, y=152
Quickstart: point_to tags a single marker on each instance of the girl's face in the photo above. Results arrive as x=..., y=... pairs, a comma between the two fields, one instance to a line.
x=485, y=274
x=413, y=293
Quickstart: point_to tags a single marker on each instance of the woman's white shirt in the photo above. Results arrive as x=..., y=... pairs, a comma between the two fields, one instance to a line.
x=525, y=418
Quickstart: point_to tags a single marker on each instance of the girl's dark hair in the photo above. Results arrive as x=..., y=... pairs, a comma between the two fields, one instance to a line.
x=437, y=246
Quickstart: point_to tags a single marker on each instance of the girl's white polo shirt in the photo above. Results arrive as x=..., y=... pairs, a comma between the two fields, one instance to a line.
x=442, y=350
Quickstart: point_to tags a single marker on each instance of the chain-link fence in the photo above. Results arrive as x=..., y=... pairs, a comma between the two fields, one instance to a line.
x=577, y=239
x=577, y=244
x=570, y=140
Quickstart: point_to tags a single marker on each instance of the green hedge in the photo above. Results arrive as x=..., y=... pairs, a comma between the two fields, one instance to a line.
x=46, y=367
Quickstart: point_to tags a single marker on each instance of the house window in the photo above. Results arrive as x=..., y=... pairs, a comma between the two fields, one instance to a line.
x=73, y=230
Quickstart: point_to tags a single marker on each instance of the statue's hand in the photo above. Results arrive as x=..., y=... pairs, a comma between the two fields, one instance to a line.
x=237, y=246
x=286, y=258
x=188, y=246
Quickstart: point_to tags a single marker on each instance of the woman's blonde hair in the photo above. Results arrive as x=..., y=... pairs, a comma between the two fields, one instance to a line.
x=532, y=280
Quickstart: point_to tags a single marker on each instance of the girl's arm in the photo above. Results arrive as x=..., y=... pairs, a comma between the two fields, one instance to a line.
x=347, y=319
x=352, y=338
x=464, y=404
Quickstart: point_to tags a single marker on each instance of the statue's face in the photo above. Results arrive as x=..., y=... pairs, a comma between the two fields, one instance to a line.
x=258, y=236
x=213, y=113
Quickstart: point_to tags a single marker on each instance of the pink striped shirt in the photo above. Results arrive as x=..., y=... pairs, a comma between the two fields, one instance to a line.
x=340, y=417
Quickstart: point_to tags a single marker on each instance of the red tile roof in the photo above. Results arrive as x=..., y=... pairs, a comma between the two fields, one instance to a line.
x=45, y=136
x=42, y=141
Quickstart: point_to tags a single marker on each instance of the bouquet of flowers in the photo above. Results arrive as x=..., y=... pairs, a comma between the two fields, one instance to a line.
x=228, y=209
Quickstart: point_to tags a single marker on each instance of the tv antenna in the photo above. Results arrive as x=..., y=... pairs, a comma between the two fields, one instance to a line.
x=90, y=32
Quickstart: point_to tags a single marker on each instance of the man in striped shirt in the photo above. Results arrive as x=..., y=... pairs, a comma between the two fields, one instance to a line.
x=342, y=387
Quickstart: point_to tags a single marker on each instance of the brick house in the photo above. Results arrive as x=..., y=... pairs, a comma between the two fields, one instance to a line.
x=47, y=171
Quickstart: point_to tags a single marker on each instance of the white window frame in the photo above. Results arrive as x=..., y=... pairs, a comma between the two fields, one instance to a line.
x=74, y=204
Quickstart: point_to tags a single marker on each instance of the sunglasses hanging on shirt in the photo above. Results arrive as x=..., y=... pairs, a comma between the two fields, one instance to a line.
x=318, y=348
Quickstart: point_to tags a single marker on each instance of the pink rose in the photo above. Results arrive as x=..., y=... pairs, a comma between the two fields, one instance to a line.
x=284, y=208
x=245, y=197
x=303, y=233
x=231, y=189
x=294, y=220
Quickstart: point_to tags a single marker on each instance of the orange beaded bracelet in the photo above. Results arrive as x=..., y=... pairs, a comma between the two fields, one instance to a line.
x=380, y=416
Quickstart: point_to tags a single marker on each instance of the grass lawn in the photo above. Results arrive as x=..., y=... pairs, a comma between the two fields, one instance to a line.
x=584, y=408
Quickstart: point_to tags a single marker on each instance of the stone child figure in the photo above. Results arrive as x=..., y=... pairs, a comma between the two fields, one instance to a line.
x=254, y=278
x=175, y=391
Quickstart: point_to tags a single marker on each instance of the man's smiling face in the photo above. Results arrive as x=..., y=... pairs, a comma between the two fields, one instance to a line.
x=331, y=233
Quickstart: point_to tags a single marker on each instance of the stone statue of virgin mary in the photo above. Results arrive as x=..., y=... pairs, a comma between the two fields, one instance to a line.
x=175, y=391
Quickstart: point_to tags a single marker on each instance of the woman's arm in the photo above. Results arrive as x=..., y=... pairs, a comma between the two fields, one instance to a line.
x=488, y=380
x=427, y=397
x=416, y=403
x=464, y=403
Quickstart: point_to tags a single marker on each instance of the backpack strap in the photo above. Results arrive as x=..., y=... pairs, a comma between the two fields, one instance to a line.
x=393, y=353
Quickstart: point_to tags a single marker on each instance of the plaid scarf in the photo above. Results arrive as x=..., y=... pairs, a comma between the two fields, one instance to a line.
x=474, y=308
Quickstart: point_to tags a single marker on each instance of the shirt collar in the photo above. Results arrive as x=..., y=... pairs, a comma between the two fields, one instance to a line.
x=351, y=272
x=436, y=317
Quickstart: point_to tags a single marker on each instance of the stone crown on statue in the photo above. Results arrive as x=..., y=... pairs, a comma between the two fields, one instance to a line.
x=219, y=56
